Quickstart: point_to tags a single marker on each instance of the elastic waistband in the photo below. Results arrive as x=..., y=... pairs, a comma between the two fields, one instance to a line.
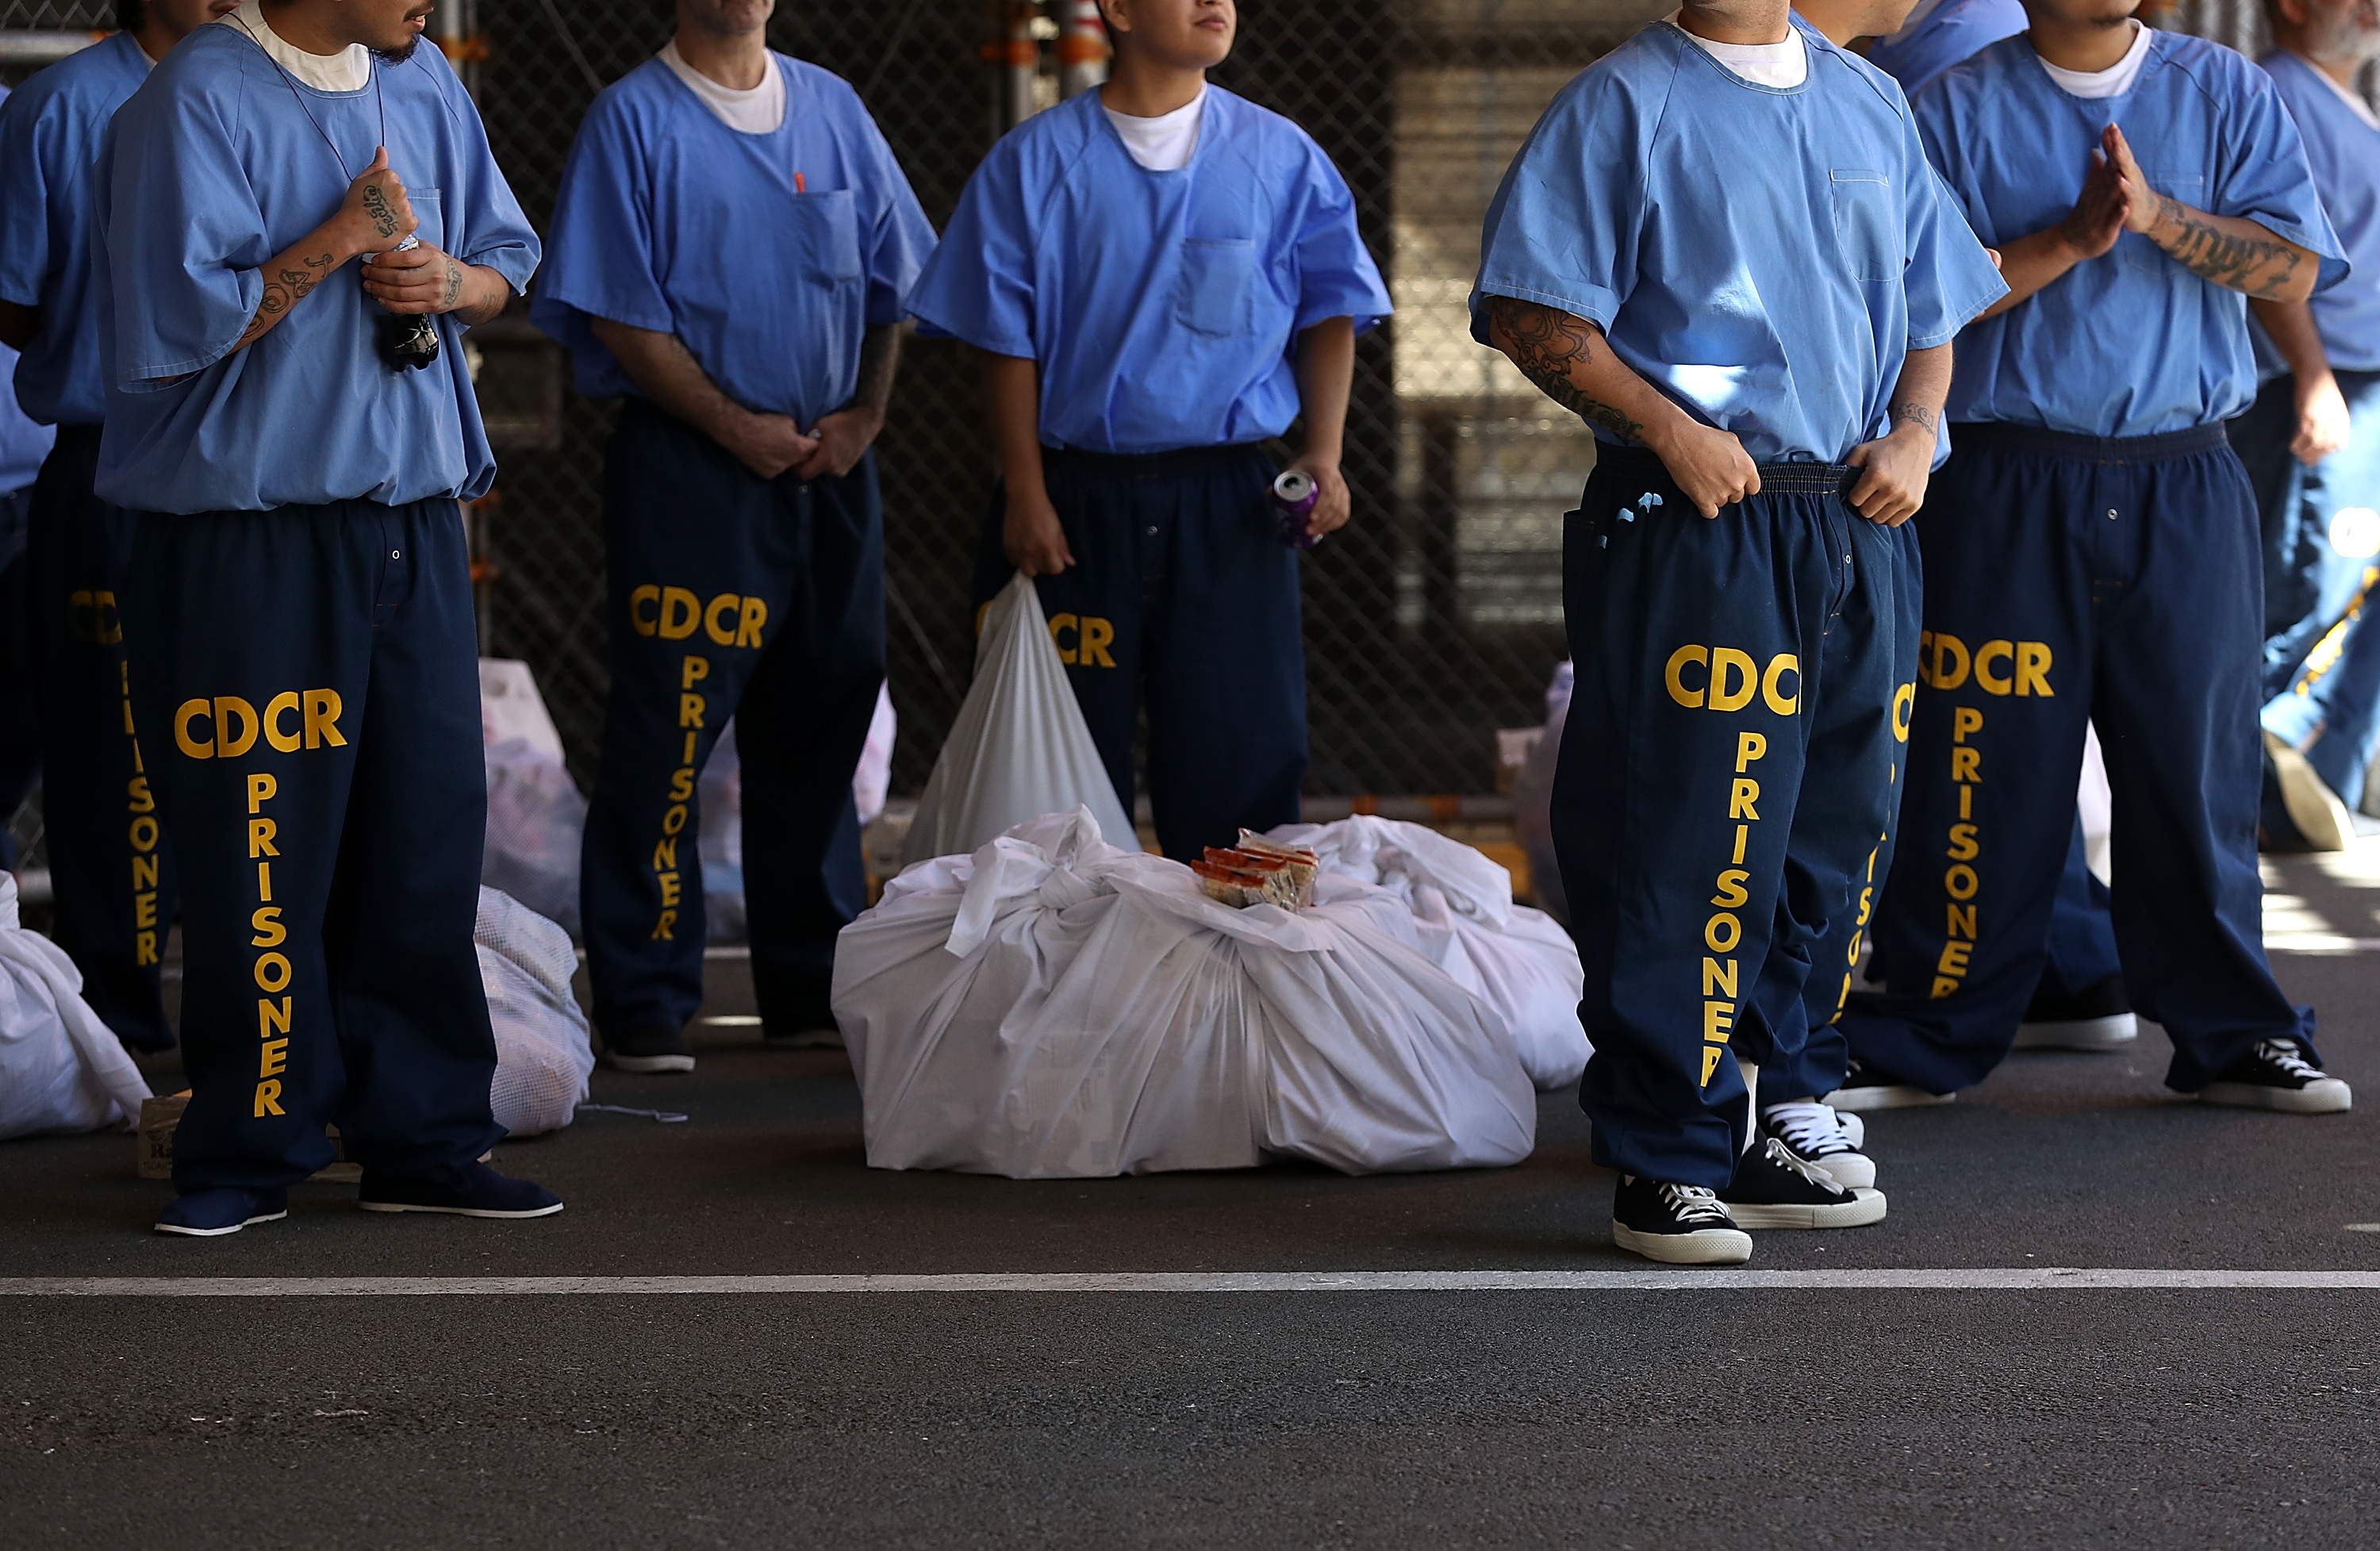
x=1146, y=466
x=1776, y=479
x=2089, y=449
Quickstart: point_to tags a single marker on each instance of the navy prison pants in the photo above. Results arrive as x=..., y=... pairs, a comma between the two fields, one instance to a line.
x=1726, y=772
x=110, y=868
x=2073, y=578
x=20, y=747
x=1183, y=593
x=763, y=600
x=307, y=680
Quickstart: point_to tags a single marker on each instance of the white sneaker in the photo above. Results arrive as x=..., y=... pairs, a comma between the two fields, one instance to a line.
x=2312, y=806
x=1814, y=1134
x=1863, y=1089
x=2276, y=1076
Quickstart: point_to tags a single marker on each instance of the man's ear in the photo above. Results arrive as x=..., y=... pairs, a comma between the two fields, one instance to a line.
x=1112, y=13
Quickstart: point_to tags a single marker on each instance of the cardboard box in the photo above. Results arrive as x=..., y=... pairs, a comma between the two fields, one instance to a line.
x=160, y=1118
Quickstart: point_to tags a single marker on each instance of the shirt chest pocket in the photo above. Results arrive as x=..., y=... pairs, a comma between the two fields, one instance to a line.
x=825, y=229
x=1867, y=223
x=2138, y=250
x=430, y=215
x=1216, y=292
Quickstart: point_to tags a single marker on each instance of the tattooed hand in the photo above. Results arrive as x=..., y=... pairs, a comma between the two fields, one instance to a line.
x=424, y=280
x=376, y=214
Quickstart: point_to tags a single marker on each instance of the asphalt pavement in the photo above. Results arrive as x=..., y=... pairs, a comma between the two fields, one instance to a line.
x=1824, y=1415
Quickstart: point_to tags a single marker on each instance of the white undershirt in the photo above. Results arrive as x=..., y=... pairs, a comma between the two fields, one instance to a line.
x=2113, y=81
x=348, y=71
x=1784, y=66
x=1163, y=144
x=2352, y=99
x=757, y=112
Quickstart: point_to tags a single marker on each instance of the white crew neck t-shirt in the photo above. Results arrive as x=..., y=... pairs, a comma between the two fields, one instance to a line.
x=1165, y=143
x=348, y=71
x=1783, y=65
x=759, y=111
x=2113, y=81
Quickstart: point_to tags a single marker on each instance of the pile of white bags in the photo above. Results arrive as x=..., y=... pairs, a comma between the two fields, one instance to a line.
x=1019, y=747
x=535, y=813
x=61, y=1069
x=544, y=1055
x=1518, y=960
x=1053, y=1006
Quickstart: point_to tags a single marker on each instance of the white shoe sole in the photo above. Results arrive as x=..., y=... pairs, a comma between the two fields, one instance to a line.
x=458, y=1211
x=1886, y=1096
x=1709, y=1246
x=1866, y=1206
x=1851, y=1171
x=2329, y=1097
x=219, y=1232
x=2312, y=806
x=643, y=1064
x=2111, y=1032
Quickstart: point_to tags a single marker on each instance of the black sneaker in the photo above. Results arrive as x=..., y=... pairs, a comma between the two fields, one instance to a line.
x=2276, y=1076
x=1813, y=1132
x=1677, y=1225
x=648, y=1050
x=473, y=1191
x=2097, y=1018
x=210, y=1214
x=1775, y=1189
x=1865, y=1088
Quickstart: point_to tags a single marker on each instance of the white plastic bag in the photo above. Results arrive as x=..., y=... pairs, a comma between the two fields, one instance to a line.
x=1533, y=794
x=544, y=1055
x=61, y=1069
x=872, y=783
x=1052, y=1006
x=1019, y=748
x=535, y=820
x=1519, y=960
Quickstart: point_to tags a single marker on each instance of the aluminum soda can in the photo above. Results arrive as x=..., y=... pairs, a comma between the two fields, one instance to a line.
x=1294, y=495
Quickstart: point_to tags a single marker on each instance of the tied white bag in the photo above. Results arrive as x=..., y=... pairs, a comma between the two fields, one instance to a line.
x=1519, y=960
x=544, y=1055
x=1054, y=1007
x=1019, y=749
x=61, y=1069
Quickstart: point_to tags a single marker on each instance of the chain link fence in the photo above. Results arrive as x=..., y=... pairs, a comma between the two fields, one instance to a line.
x=1432, y=621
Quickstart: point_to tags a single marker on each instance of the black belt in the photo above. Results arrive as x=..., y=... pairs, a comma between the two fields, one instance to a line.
x=1776, y=479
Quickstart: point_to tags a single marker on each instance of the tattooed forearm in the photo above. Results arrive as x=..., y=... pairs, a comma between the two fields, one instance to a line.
x=1546, y=345
x=453, y=291
x=879, y=362
x=2259, y=266
x=284, y=286
x=1917, y=415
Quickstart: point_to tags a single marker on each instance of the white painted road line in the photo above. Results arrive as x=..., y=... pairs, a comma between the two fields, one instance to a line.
x=1978, y=1280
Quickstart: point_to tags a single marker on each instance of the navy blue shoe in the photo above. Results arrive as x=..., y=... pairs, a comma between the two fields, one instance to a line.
x=210, y=1214
x=473, y=1191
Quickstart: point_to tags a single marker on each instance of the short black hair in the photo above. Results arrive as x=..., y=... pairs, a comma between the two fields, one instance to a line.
x=129, y=15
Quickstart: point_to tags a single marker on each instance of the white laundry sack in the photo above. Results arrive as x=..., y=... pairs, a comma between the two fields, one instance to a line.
x=1019, y=748
x=61, y=1069
x=720, y=839
x=544, y=1055
x=535, y=820
x=1052, y=1006
x=872, y=784
x=1533, y=795
x=1520, y=960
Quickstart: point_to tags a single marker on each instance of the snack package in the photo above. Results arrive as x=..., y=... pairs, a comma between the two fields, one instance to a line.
x=1303, y=864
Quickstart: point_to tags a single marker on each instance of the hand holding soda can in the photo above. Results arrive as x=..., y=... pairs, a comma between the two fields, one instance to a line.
x=1294, y=495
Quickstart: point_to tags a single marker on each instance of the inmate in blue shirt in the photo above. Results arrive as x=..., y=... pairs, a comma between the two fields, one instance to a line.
x=23, y=443
x=1766, y=256
x=768, y=256
x=49, y=143
x=2344, y=150
x=1163, y=306
x=1937, y=37
x=2131, y=343
x=210, y=169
